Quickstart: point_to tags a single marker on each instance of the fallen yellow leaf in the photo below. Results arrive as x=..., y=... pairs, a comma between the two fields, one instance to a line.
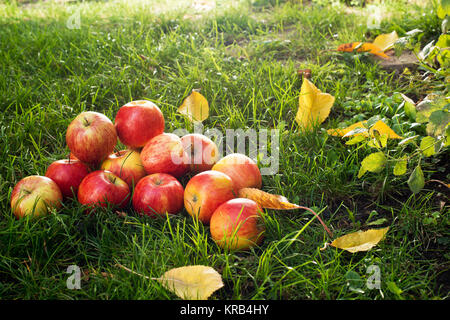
x=363, y=47
x=314, y=105
x=192, y=282
x=195, y=107
x=276, y=202
x=360, y=240
x=345, y=131
x=384, y=129
x=267, y=200
x=189, y=283
x=380, y=126
x=386, y=41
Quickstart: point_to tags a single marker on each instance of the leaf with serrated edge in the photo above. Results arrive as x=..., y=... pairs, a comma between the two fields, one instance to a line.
x=192, y=282
x=360, y=240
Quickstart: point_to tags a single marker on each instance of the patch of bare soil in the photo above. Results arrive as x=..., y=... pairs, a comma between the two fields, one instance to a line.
x=399, y=63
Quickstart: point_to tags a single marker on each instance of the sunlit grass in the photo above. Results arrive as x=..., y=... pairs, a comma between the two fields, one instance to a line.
x=244, y=56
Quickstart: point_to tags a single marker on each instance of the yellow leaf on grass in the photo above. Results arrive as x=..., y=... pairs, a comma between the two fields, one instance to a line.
x=383, y=129
x=195, y=107
x=360, y=240
x=380, y=126
x=363, y=47
x=386, y=41
x=345, y=131
x=267, y=200
x=349, y=47
x=192, y=282
x=314, y=105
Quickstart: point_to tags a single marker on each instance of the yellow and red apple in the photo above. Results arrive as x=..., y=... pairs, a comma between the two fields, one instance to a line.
x=237, y=224
x=68, y=175
x=241, y=169
x=205, y=192
x=164, y=154
x=127, y=165
x=102, y=188
x=157, y=194
x=201, y=151
x=137, y=122
x=91, y=137
x=35, y=196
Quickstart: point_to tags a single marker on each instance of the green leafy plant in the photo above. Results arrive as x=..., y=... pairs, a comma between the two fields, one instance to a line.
x=430, y=119
x=435, y=56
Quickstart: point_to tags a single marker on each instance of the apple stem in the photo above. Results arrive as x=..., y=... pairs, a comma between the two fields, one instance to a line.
x=320, y=220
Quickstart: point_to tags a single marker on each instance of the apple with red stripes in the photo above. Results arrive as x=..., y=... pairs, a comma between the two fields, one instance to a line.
x=91, y=137
x=103, y=188
x=237, y=224
x=68, y=175
x=158, y=194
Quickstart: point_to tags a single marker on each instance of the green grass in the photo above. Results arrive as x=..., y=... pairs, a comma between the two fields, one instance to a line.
x=244, y=57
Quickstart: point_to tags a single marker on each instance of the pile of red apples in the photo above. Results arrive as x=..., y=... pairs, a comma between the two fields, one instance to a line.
x=146, y=175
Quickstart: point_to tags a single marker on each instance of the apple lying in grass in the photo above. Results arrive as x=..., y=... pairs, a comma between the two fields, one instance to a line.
x=237, y=224
x=201, y=151
x=137, y=122
x=205, y=192
x=103, y=188
x=35, y=196
x=241, y=169
x=157, y=194
x=127, y=165
x=164, y=154
x=68, y=175
x=91, y=137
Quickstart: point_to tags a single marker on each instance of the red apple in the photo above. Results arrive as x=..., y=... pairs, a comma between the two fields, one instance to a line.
x=237, y=225
x=205, y=192
x=137, y=122
x=68, y=175
x=91, y=137
x=241, y=169
x=164, y=154
x=127, y=165
x=101, y=188
x=157, y=194
x=202, y=152
x=35, y=196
